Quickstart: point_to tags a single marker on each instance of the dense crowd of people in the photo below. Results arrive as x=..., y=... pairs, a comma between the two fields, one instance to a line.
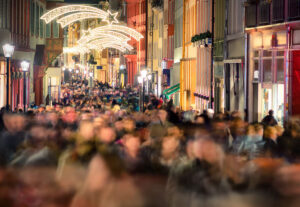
x=94, y=148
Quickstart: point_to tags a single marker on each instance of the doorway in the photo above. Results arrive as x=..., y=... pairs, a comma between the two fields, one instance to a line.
x=234, y=87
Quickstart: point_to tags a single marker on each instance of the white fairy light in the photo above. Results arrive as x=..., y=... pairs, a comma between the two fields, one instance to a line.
x=107, y=43
x=63, y=10
x=67, y=20
x=76, y=50
x=107, y=40
x=118, y=28
x=108, y=34
x=115, y=47
x=111, y=18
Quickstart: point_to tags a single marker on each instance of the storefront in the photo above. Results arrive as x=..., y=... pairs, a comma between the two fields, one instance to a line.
x=52, y=84
x=268, y=64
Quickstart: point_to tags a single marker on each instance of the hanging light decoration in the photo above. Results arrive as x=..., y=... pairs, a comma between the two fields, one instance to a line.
x=117, y=28
x=76, y=50
x=111, y=18
x=71, y=9
x=109, y=36
x=67, y=20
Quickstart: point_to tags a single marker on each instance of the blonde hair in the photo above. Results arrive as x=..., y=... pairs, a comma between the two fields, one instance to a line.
x=269, y=131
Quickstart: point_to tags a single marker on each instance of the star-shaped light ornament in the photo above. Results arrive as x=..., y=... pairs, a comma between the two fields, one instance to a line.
x=111, y=18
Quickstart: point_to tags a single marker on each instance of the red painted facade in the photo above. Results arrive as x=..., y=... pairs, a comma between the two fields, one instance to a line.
x=170, y=47
x=20, y=38
x=295, y=83
x=136, y=19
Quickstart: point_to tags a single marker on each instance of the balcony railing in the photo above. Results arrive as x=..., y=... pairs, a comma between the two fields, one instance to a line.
x=294, y=10
x=278, y=8
x=271, y=12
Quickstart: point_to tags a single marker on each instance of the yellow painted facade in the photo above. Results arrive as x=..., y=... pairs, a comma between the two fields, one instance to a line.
x=155, y=50
x=189, y=54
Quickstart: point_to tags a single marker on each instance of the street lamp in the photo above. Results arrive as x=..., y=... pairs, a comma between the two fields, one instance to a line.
x=145, y=76
x=8, y=51
x=144, y=73
x=140, y=79
x=25, y=67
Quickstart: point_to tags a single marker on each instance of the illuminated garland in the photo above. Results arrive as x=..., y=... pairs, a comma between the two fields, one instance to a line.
x=109, y=36
x=118, y=28
x=76, y=50
x=97, y=45
x=64, y=10
x=67, y=20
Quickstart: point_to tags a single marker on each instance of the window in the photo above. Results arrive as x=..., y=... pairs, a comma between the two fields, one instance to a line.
x=3, y=13
x=55, y=29
x=272, y=65
x=32, y=11
x=280, y=66
x=280, y=70
x=48, y=30
x=41, y=23
x=37, y=20
x=8, y=13
x=267, y=70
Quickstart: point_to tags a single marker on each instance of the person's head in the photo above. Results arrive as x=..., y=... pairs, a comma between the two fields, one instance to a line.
x=162, y=114
x=237, y=127
x=271, y=112
x=86, y=130
x=132, y=143
x=14, y=122
x=207, y=150
x=270, y=132
x=129, y=125
x=259, y=130
x=250, y=130
x=102, y=169
x=199, y=120
x=106, y=135
x=170, y=145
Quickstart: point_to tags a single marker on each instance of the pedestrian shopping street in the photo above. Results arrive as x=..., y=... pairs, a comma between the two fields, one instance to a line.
x=149, y=103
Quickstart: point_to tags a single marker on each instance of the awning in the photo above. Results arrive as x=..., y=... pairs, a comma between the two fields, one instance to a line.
x=168, y=92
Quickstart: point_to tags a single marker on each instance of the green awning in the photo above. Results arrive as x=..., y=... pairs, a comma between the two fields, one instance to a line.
x=169, y=91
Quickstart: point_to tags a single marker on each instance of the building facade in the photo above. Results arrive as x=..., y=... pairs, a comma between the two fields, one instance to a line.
x=234, y=57
x=136, y=19
x=273, y=59
x=178, y=33
x=218, y=54
x=21, y=27
x=189, y=56
x=204, y=73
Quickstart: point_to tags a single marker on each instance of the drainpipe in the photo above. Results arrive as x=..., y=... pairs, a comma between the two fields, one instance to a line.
x=212, y=56
x=146, y=40
x=152, y=25
x=246, y=78
x=225, y=56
